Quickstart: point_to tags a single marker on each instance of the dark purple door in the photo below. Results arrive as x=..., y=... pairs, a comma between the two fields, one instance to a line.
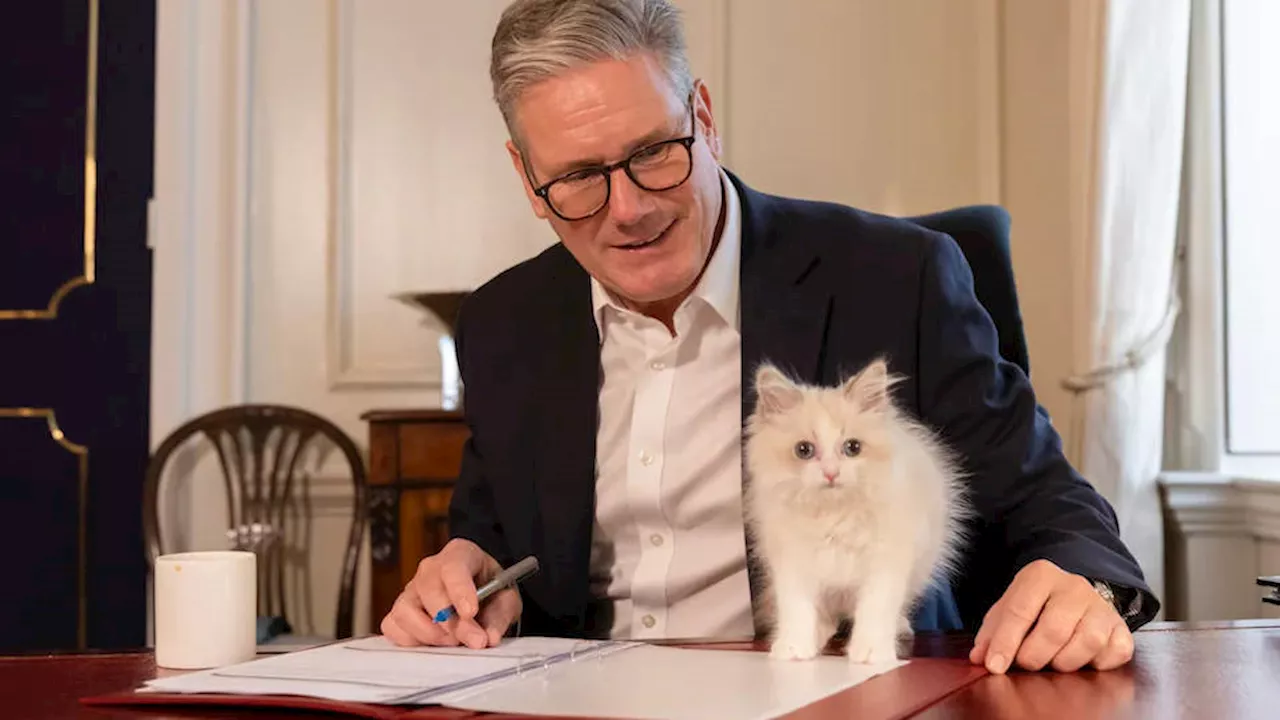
x=77, y=83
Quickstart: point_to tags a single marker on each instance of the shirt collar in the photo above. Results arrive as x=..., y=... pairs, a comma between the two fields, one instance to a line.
x=718, y=286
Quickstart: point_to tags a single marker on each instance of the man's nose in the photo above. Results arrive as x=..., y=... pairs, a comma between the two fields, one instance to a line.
x=628, y=202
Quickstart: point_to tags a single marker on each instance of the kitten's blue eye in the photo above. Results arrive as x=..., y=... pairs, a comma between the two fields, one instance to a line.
x=852, y=447
x=804, y=449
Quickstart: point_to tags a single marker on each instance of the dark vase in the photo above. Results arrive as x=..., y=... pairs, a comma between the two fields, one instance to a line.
x=441, y=309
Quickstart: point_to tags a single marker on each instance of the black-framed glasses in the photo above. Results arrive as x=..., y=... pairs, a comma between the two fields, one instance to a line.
x=582, y=193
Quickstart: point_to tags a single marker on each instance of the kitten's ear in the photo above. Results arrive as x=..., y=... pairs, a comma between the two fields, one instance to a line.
x=870, y=387
x=775, y=392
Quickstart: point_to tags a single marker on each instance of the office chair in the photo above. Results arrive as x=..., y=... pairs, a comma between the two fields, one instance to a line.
x=982, y=232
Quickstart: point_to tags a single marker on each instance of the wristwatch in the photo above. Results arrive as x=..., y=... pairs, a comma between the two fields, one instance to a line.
x=1107, y=593
x=1127, y=609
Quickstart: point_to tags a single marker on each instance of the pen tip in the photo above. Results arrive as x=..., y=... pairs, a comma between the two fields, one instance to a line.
x=443, y=615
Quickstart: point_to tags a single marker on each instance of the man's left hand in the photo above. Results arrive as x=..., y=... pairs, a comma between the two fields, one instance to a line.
x=1070, y=625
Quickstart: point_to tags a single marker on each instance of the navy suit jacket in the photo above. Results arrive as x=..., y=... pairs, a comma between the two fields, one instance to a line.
x=824, y=290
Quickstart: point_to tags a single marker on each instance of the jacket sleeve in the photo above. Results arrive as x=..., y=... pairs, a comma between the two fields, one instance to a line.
x=472, y=514
x=1029, y=501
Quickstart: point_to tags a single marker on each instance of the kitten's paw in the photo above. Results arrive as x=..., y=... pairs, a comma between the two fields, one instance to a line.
x=790, y=648
x=872, y=651
x=904, y=626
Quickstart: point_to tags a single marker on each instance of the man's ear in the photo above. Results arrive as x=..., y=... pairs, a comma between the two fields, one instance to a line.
x=517, y=162
x=706, y=118
x=870, y=387
x=775, y=392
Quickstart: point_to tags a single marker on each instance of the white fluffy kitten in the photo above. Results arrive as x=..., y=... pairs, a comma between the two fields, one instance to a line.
x=854, y=508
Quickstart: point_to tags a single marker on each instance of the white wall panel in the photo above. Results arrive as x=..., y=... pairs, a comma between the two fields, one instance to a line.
x=1225, y=533
x=891, y=106
x=428, y=199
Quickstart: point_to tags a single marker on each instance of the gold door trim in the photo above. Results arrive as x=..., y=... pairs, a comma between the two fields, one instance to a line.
x=82, y=455
x=90, y=188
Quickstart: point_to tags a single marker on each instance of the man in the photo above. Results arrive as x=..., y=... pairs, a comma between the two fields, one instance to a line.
x=605, y=389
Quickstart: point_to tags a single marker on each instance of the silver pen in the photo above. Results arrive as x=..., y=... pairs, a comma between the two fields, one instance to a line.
x=510, y=576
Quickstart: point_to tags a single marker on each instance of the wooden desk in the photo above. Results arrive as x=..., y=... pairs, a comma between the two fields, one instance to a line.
x=1180, y=670
x=1211, y=670
x=414, y=459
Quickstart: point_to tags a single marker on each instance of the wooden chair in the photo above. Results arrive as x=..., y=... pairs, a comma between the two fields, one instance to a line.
x=258, y=449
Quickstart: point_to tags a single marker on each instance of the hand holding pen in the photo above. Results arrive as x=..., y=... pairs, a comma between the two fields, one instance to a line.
x=445, y=585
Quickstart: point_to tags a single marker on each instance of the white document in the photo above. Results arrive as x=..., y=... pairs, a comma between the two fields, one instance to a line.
x=374, y=670
x=542, y=676
x=651, y=682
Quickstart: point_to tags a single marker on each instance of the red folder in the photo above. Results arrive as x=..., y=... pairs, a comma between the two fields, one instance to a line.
x=292, y=703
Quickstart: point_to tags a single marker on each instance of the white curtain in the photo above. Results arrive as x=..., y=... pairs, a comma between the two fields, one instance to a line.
x=1129, y=104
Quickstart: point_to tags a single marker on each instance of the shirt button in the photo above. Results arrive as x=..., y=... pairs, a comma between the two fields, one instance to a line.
x=657, y=366
x=648, y=621
x=656, y=539
x=646, y=458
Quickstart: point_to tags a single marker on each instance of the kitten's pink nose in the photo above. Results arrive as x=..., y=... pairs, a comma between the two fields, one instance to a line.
x=831, y=476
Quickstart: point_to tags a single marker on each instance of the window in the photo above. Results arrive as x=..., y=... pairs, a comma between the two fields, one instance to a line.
x=1228, y=361
x=1251, y=226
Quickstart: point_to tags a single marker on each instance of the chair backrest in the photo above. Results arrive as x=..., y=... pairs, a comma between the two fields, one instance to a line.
x=982, y=232
x=258, y=449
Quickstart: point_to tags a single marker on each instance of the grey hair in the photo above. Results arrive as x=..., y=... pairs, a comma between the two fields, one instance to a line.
x=537, y=39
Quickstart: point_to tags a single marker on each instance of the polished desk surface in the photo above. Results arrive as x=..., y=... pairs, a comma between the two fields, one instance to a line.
x=1180, y=670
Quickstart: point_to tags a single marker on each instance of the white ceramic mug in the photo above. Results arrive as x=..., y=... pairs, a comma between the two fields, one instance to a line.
x=205, y=609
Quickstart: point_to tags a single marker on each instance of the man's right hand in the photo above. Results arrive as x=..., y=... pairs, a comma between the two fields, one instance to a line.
x=448, y=578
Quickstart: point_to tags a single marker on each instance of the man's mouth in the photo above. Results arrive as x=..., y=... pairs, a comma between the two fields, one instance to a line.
x=642, y=244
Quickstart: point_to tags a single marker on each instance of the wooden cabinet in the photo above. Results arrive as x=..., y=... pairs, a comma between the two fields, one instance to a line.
x=414, y=459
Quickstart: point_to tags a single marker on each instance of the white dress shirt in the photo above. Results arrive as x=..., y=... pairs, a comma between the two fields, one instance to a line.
x=668, y=549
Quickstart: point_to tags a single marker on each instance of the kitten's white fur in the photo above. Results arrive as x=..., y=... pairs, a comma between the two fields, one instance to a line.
x=863, y=545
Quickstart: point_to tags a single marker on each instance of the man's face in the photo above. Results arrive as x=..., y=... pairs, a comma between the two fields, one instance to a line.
x=645, y=246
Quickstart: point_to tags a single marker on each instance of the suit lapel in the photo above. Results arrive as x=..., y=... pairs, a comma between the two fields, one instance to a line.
x=785, y=309
x=785, y=302
x=565, y=460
